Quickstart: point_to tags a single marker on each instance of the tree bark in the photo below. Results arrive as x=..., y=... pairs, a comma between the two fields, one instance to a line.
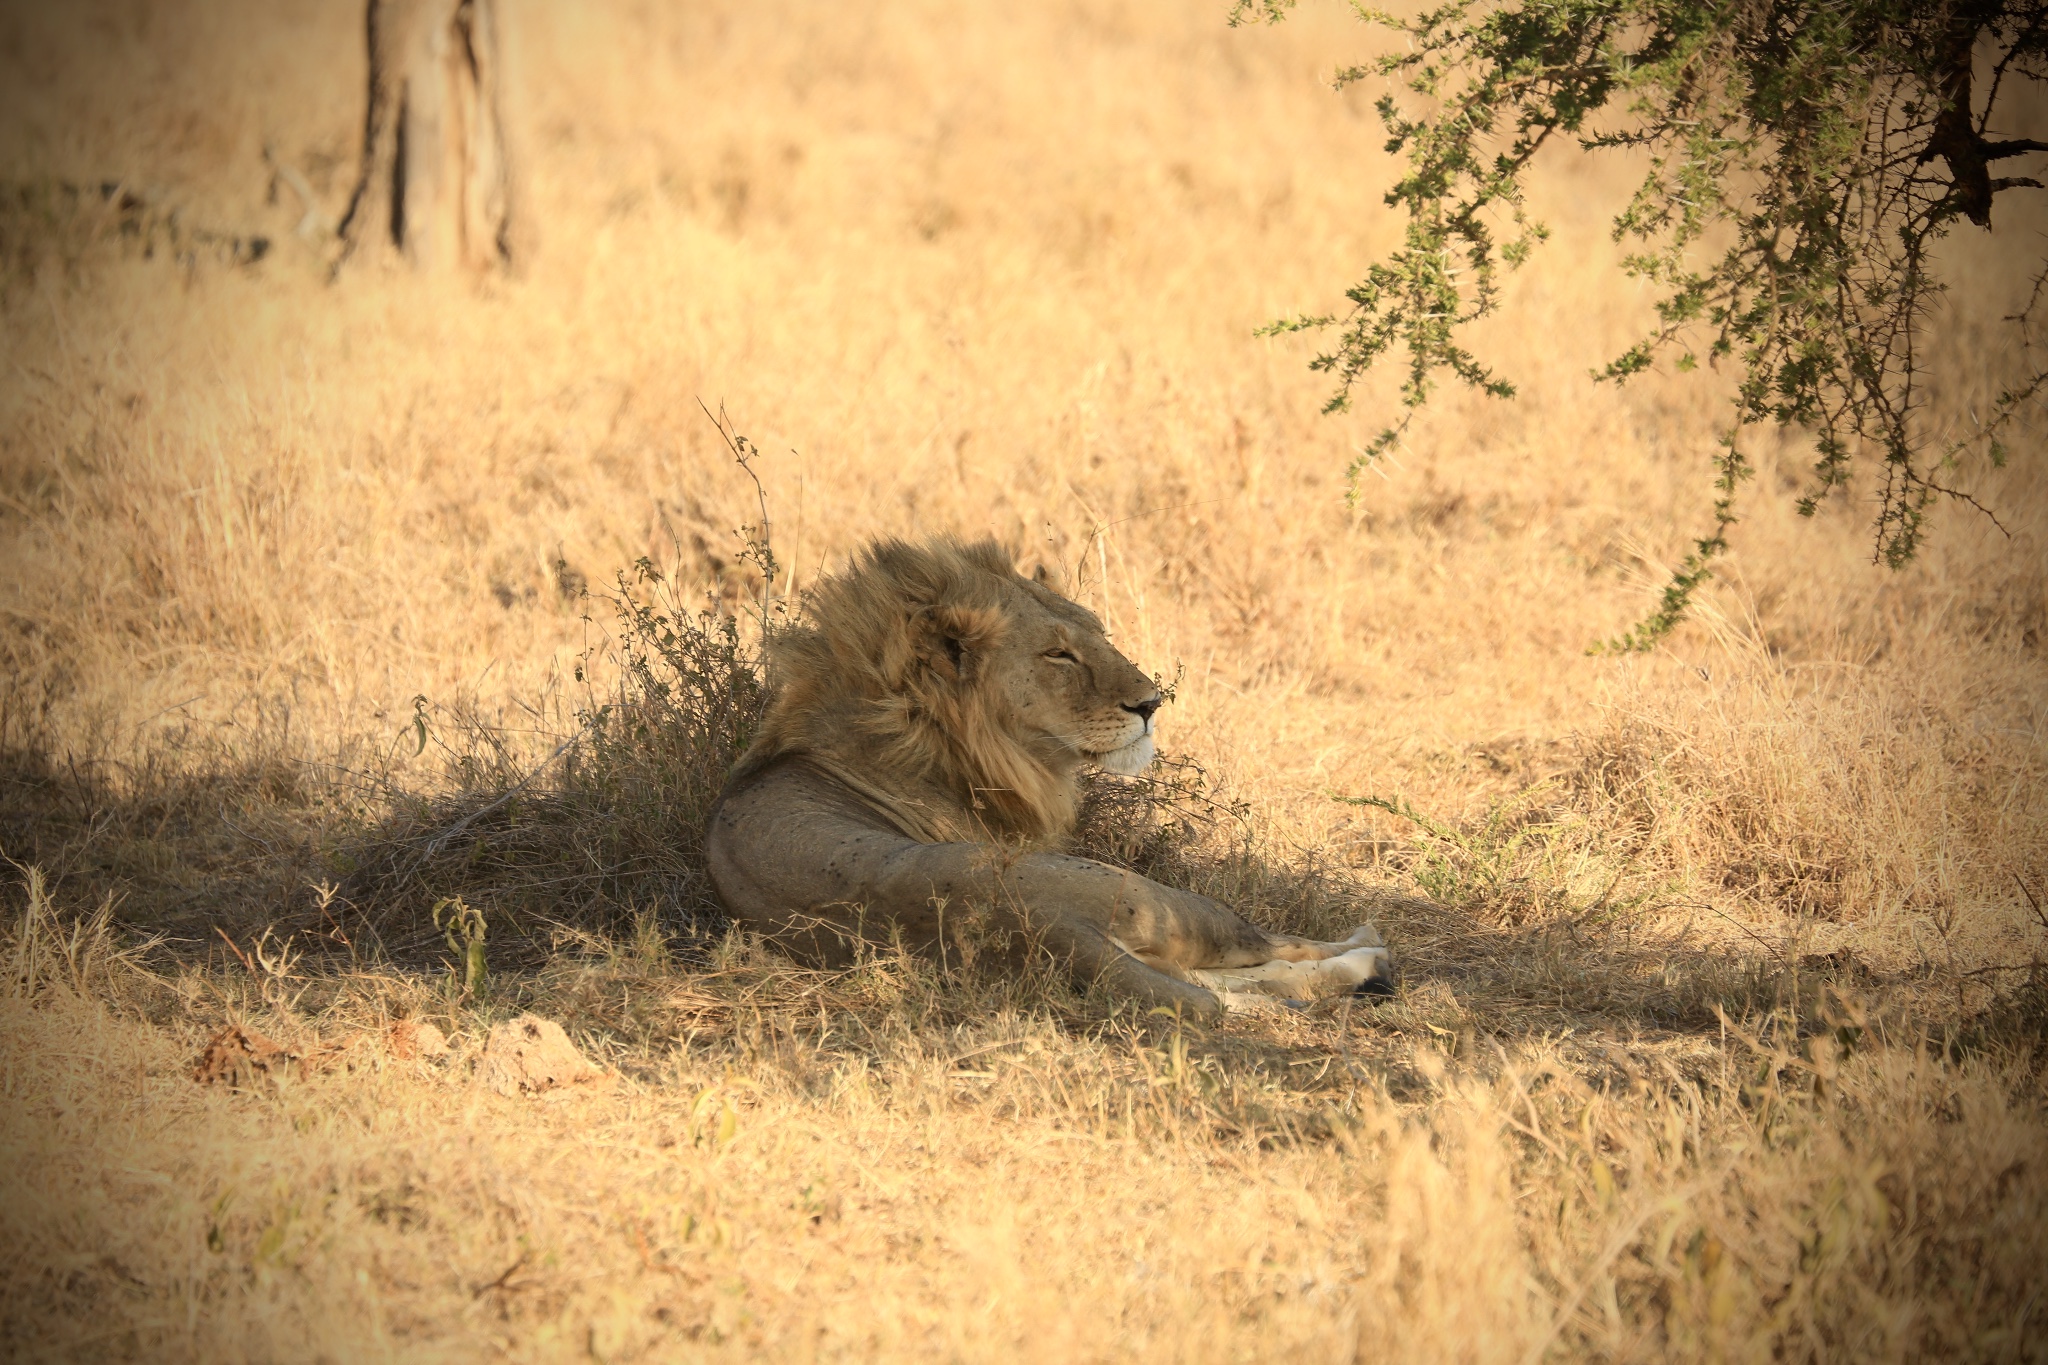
x=1956, y=137
x=437, y=184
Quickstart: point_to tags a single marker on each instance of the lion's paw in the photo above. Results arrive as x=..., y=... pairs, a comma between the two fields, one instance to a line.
x=1360, y=965
x=1252, y=1002
x=1347, y=971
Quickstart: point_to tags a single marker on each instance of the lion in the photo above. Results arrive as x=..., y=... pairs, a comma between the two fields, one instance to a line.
x=920, y=761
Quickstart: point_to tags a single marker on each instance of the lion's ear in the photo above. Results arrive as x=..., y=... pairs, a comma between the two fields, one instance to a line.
x=956, y=636
x=1048, y=577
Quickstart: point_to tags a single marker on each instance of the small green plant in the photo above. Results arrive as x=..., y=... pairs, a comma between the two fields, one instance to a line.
x=462, y=924
x=713, y=1120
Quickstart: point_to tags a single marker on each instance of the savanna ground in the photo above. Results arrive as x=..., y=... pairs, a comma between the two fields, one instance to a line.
x=1720, y=1031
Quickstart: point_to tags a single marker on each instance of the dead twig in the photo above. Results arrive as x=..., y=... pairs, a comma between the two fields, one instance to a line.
x=500, y=1282
x=439, y=841
x=239, y=954
x=2032, y=904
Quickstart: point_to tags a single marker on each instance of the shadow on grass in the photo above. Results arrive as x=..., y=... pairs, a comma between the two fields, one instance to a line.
x=603, y=851
x=178, y=843
x=531, y=869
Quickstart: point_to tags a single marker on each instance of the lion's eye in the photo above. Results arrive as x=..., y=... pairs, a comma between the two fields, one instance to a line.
x=1065, y=654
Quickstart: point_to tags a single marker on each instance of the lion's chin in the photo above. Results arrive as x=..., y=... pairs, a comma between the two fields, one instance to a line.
x=1130, y=760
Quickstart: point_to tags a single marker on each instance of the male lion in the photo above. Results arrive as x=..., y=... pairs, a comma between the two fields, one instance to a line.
x=924, y=748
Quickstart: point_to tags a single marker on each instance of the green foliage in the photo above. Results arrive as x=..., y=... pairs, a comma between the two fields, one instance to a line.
x=1523, y=862
x=1805, y=156
x=463, y=926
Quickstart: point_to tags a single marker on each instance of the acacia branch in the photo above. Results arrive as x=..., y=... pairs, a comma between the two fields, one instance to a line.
x=1847, y=163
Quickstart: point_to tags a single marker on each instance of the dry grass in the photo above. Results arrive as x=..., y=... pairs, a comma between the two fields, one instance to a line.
x=1721, y=1029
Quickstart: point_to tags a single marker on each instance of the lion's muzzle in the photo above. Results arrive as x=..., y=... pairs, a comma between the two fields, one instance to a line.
x=1130, y=760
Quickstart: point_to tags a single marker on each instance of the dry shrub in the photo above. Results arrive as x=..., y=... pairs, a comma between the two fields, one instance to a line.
x=609, y=825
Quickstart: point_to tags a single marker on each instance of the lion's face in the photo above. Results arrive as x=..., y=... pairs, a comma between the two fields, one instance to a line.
x=937, y=669
x=1070, y=693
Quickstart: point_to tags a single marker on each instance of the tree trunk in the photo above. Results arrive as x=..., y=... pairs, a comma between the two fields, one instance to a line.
x=437, y=184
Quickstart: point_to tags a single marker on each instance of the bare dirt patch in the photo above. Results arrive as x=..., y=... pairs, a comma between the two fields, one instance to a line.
x=530, y=1056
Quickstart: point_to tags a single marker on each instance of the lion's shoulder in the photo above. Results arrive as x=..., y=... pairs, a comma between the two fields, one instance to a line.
x=803, y=790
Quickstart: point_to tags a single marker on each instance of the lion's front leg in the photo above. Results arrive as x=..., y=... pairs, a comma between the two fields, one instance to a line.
x=803, y=863
x=1200, y=940
x=1363, y=970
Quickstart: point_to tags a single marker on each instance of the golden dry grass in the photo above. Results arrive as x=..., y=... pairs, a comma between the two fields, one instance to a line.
x=1720, y=1033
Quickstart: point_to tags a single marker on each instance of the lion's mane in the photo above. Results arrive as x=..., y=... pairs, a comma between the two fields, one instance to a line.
x=890, y=686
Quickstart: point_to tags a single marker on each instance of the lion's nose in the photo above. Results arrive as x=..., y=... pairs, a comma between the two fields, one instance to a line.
x=1143, y=710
